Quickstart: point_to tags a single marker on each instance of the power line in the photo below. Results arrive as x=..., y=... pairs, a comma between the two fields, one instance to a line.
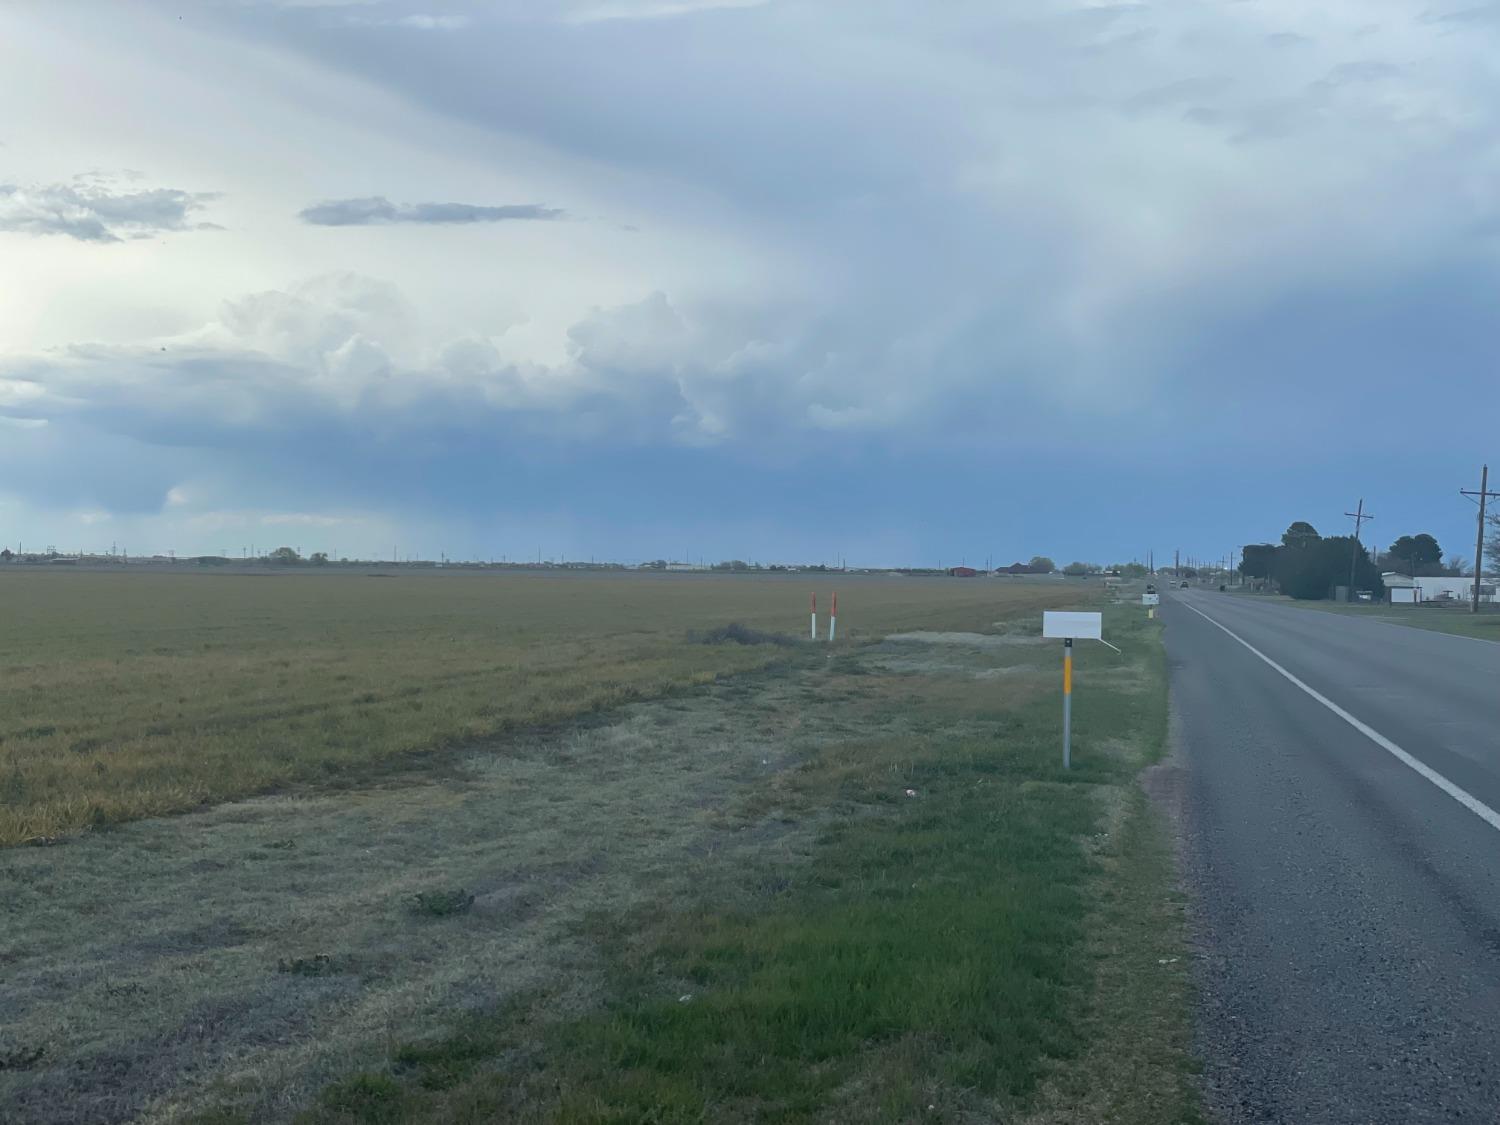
x=1483, y=494
x=1359, y=518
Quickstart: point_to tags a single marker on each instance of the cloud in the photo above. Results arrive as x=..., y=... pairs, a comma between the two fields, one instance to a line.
x=653, y=9
x=416, y=21
x=376, y=209
x=1479, y=16
x=90, y=211
x=1106, y=222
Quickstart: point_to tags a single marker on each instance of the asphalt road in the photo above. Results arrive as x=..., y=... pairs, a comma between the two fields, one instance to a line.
x=1346, y=908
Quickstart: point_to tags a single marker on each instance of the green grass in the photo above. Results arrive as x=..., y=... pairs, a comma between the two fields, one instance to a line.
x=938, y=957
x=130, y=695
x=1440, y=618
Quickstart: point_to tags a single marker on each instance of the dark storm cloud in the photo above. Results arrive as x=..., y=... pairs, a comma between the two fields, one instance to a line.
x=93, y=212
x=378, y=209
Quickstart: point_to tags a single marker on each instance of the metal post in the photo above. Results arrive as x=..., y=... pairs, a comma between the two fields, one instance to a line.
x=1068, y=703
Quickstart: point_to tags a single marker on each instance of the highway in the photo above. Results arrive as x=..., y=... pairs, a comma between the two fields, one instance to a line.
x=1341, y=847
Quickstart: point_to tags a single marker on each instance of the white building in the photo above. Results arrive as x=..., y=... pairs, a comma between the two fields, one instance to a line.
x=1411, y=591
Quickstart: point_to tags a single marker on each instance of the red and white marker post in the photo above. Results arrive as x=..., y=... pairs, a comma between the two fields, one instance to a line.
x=833, y=618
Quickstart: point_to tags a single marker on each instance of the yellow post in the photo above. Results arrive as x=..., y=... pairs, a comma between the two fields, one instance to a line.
x=1068, y=703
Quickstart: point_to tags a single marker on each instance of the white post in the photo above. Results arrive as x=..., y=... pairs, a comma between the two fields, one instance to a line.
x=833, y=619
x=815, y=617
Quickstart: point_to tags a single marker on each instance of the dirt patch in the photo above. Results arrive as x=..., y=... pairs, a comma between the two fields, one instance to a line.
x=970, y=640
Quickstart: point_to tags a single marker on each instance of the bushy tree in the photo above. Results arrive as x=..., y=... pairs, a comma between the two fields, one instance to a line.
x=1311, y=572
x=1299, y=534
x=1259, y=560
x=1041, y=564
x=1076, y=569
x=1417, y=555
x=320, y=558
x=284, y=556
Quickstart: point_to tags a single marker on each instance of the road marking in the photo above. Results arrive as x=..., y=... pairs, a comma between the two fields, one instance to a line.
x=1462, y=796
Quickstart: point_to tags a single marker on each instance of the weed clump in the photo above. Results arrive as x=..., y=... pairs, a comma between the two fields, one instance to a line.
x=442, y=903
x=735, y=633
x=315, y=966
x=20, y=1058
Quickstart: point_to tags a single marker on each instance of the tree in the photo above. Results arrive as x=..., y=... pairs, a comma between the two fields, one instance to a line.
x=1133, y=570
x=1259, y=560
x=1455, y=566
x=1041, y=564
x=1076, y=569
x=1311, y=572
x=319, y=558
x=1300, y=534
x=6, y=556
x=284, y=556
x=1417, y=555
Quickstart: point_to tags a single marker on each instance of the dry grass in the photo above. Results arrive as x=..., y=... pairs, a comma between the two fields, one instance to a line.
x=130, y=695
x=979, y=950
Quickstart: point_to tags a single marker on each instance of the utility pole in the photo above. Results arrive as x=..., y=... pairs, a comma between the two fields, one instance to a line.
x=1359, y=517
x=1177, y=563
x=1484, y=494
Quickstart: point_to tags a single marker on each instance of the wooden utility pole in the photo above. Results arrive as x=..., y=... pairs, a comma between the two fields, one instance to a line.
x=1359, y=517
x=1484, y=494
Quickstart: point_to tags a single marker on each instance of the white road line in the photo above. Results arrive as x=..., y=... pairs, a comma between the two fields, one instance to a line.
x=1462, y=796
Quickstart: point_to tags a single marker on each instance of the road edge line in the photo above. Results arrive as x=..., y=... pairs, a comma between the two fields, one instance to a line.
x=1459, y=794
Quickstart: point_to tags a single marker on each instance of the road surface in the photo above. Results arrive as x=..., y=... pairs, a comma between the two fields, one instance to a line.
x=1346, y=878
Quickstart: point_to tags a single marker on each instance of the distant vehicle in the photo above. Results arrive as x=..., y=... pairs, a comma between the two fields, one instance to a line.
x=1150, y=588
x=1185, y=586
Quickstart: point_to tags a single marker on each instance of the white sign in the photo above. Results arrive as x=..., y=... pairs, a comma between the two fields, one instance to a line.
x=1151, y=599
x=1079, y=626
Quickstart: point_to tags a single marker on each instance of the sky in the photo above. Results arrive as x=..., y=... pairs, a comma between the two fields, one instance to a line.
x=895, y=283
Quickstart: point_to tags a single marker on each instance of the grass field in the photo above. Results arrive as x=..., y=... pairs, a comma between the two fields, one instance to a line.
x=128, y=695
x=822, y=885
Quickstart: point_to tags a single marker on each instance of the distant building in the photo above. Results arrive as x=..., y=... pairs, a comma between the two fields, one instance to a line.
x=962, y=572
x=1404, y=590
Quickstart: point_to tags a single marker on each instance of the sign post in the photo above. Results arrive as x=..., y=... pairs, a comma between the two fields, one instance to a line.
x=1070, y=627
x=1151, y=601
x=1068, y=703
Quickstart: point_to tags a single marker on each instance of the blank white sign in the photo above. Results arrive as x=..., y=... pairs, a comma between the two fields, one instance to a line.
x=1079, y=626
x=1151, y=599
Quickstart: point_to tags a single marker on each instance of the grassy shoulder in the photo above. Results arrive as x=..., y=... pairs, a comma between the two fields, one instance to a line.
x=1440, y=618
x=975, y=933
